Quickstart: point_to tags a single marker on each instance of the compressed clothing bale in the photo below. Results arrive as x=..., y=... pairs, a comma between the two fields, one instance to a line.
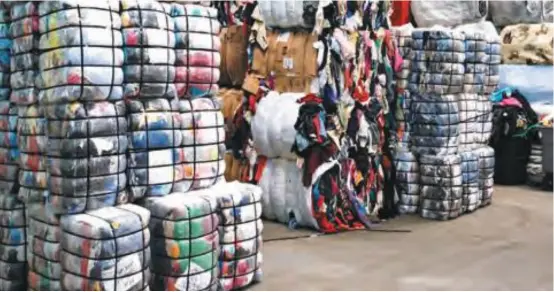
x=535, y=173
x=470, y=109
x=438, y=61
x=234, y=56
x=43, y=248
x=13, y=241
x=197, y=47
x=505, y=13
x=529, y=44
x=185, y=241
x=154, y=144
x=149, y=42
x=448, y=13
x=441, y=186
x=484, y=120
x=240, y=259
x=403, y=37
x=288, y=13
x=86, y=154
x=407, y=182
x=5, y=53
x=470, y=181
x=486, y=174
x=435, y=124
x=9, y=152
x=106, y=249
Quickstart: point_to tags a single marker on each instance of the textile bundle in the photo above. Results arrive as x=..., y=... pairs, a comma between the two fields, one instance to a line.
x=240, y=232
x=403, y=36
x=106, y=249
x=486, y=174
x=516, y=12
x=441, y=186
x=484, y=120
x=470, y=181
x=407, y=182
x=527, y=44
x=80, y=84
x=9, y=153
x=447, y=13
x=470, y=109
x=5, y=53
x=535, y=174
x=12, y=244
x=197, y=47
x=234, y=56
x=185, y=241
x=289, y=13
x=230, y=101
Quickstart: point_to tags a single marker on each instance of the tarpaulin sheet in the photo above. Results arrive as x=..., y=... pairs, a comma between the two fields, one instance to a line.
x=407, y=182
x=486, y=174
x=106, y=249
x=185, y=241
x=533, y=82
x=470, y=181
x=13, y=264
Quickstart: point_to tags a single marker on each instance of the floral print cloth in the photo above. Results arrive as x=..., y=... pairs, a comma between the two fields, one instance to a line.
x=106, y=249
x=486, y=174
x=185, y=241
x=470, y=181
x=407, y=182
x=13, y=265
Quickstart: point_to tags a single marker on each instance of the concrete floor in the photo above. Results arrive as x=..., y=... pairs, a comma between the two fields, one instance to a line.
x=506, y=246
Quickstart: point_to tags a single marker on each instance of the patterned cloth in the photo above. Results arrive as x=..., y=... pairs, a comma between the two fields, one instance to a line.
x=486, y=174
x=185, y=241
x=149, y=43
x=197, y=48
x=527, y=44
x=535, y=174
x=441, y=186
x=470, y=181
x=240, y=260
x=106, y=249
x=5, y=53
x=407, y=182
x=13, y=265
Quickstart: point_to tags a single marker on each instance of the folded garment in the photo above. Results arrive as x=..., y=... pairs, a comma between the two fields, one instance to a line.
x=240, y=230
x=24, y=31
x=185, y=241
x=529, y=44
x=197, y=48
x=435, y=121
x=81, y=55
x=86, y=155
x=470, y=181
x=106, y=249
x=407, y=182
x=155, y=141
x=43, y=248
x=486, y=174
x=441, y=186
x=9, y=153
x=13, y=263
x=535, y=173
x=5, y=53
x=149, y=42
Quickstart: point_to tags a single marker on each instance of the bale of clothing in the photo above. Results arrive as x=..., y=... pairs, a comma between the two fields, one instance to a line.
x=471, y=199
x=535, y=173
x=447, y=13
x=407, y=181
x=486, y=174
x=5, y=53
x=13, y=242
x=9, y=152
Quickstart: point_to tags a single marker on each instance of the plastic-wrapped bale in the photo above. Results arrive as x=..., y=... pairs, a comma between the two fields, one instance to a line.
x=154, y=163
x=486, y=174
x=441, y=186
x=494, y=53
x=5, y=53
x=403, y=36
x=515, y=12
x=106, y=249
x=9, y=152
x=197, y=48
x=240, y=260
x=476, y=62
x=24, y=30
x=185, y=241
x=438, y=61
x=407, y=182
x=80, y=84
x=448, y=13
x=288, y=13
x=470, y=107
x=203, y=144
x=529, y=44
x=43, y=249
x=13, y=241
x=484, y=120
x=535, y=174
x=470, y=181
x=149, y=42
x=435, y=124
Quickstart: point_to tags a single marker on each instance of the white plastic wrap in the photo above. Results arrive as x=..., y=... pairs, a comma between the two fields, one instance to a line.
x=13, y=243
x=470, y=181
x=515, y=12
x=448, y=13
x=535, y=174
x=470, y=107
x=407, y=182
x=484, y=120
x=273, y=124
x=288, y=13
x=486, y=174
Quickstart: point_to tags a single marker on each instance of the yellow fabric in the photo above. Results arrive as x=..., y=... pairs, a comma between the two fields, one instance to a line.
x=527, y=44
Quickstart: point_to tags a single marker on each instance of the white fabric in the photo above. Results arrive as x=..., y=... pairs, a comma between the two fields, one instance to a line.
x=447, y=13
x=282, y=13
x=273, y=124
x=515, y=12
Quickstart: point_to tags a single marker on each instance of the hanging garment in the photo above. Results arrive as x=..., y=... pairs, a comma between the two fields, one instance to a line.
x=185, y=241
x=148, y=46
x=197, y=47
x=516, y=12
x=24, y=29
x=240, y=259
x=407, y=182
x=9, y=153
x=486, y=174
x=43, y=248
x=234, y=56
x=203, y=144
x=535, y=173
x=448, y=13
x=435, y=124
x=470, y=181
x=441, y=186
x=80, y=58
x=155, y=138
x=529, y=44
x=289, y=13
x=13, y=264
x=106, y=249
x=5, y=53
x=438, y=61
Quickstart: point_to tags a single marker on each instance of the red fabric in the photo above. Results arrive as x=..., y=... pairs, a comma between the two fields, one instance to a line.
x=401, y=12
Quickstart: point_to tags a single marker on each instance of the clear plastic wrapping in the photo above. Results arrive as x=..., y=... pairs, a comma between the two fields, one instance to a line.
x=106, y=249
x=185, y=241
x=407, y=182
x=9, y=153
x=486, y=174
x=470, y=108
x=484, y=120
x=470, y=181
x=535, y=174
x=13, y=262
x=5, y=53
x=441, y=186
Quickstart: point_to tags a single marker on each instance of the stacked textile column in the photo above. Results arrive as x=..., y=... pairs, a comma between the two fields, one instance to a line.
x=486, y=174
x=470, y=181
x=185, y=241
x=407, y=182
x=13, y=244
x=535, y=174
x=149, y=91
x=403, y=36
